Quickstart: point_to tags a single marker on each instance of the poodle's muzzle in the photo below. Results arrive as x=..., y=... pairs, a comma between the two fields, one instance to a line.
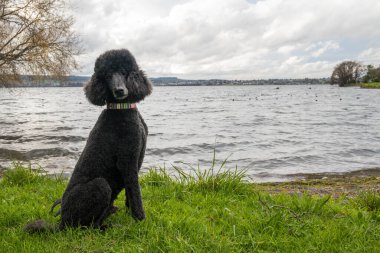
x=118, y=86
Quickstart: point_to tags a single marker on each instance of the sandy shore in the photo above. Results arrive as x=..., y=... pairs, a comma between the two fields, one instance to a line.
x=348, y=184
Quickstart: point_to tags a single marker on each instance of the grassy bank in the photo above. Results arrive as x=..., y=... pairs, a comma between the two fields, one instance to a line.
x=202, y=213
x=370, y=85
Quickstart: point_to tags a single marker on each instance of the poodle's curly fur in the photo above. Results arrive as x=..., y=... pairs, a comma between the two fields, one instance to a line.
x=109, y=63
x=115, y=149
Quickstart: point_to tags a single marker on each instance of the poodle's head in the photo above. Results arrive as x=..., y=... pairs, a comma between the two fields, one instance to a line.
x=117, y=79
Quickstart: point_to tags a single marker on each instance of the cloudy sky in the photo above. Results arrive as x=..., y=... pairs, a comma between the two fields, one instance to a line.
x=231, y=39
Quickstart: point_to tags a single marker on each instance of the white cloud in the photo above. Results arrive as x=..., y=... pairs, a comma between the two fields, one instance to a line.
x=322, y=47
x=230, y=38
x=286, y=49
x=370, y=56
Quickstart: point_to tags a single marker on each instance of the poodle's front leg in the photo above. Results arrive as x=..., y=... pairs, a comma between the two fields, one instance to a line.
x=126, y=200
x=133, y=195
x=129, y=172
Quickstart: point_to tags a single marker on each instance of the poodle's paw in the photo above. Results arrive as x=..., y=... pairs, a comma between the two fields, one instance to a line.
x=104, y=227
x=139, y=216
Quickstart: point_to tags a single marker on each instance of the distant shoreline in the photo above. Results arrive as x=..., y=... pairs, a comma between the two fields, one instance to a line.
x=174, y=85
x=79, y=81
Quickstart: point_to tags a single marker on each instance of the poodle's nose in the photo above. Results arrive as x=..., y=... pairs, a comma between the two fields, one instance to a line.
x=119, y=92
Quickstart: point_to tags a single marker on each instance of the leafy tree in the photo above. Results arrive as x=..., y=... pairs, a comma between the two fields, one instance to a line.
x=373, y=74
x=347, y=72
x=36, y=38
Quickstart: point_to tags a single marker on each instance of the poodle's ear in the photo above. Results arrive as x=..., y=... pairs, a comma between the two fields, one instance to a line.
x=95, y=91
x=139, y=85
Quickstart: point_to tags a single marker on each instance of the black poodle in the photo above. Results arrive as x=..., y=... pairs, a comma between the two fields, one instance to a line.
x=115, y=149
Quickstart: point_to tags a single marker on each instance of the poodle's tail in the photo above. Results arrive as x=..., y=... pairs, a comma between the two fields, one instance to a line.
x=41, y=226
x=57, y=202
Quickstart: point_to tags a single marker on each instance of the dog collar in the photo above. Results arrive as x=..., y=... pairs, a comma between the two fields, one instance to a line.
x=121, y=106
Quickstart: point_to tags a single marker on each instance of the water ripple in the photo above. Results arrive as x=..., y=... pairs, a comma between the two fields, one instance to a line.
x=274, y=133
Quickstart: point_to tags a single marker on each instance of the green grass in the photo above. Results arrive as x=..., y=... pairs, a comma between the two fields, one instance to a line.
x=202, y=211
x=370, y=85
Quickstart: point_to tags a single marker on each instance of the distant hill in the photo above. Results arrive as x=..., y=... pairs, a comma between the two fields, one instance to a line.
x=163, y=80
x=78, y=78
x=50, y=81
x=174, y=81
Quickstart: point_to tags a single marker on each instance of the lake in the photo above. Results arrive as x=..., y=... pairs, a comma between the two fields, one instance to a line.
x=274, y=132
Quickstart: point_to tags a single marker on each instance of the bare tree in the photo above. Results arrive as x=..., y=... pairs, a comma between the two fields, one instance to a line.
x=36, y=38
x=347, y=72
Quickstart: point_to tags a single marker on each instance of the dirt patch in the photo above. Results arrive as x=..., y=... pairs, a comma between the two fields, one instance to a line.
x=334, y=186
